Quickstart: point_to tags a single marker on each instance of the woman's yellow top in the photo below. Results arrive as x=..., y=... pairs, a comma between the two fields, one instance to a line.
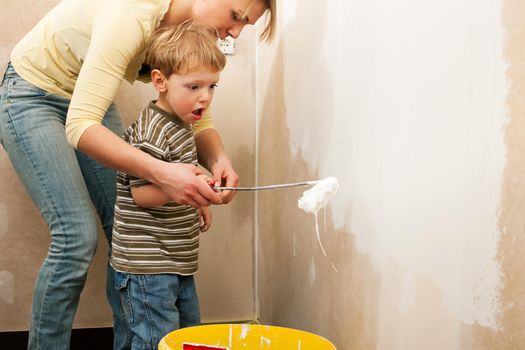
x=83, y=49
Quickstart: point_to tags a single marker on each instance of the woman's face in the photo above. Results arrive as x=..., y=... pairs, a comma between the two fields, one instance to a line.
x=228, y=16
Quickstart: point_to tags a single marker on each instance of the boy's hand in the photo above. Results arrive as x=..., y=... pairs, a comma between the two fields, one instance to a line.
x=205, y=218
x=224, y=175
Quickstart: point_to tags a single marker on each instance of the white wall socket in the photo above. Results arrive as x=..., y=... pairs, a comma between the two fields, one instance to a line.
x=227, y=46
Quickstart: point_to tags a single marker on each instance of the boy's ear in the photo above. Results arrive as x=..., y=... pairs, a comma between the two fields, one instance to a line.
x=159, y=80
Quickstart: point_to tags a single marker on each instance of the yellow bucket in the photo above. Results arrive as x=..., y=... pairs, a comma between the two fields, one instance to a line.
x=243, y=336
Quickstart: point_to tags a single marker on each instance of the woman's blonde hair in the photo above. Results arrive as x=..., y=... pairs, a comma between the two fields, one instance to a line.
x=184, y=49
x=269, y=29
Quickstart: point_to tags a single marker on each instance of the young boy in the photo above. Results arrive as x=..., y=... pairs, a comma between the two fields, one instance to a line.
x=155, y=241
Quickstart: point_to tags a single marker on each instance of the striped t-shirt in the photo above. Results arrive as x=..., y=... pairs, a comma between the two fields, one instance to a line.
x=163, y=239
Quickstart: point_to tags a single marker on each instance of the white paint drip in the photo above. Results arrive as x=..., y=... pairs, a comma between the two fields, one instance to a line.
x=266, y=341
x=316, y=198
x=333, y=267
x=245, y=330
x=317, y=233
x=324, y=218
x=230, y=336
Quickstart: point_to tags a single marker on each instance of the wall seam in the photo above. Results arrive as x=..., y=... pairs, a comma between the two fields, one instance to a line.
x=256, y=200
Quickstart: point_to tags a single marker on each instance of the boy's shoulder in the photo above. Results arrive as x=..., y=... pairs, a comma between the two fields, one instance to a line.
x=153, y=120
x=149, y=115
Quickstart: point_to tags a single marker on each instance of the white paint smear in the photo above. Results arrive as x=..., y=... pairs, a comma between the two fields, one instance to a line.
x=413, y=101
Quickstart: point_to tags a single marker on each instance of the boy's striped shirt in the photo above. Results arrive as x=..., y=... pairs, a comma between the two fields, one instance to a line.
x=163, y=239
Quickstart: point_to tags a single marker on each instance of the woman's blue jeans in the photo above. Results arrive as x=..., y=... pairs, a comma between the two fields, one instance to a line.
x=64, y=184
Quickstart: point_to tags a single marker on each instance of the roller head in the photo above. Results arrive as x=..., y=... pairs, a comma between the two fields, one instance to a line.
x=318, y=196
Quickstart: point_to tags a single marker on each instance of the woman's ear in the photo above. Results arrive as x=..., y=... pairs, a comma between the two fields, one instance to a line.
x=159, y=80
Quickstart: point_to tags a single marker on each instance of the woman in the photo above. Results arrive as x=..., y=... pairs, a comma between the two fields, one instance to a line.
x=61, y=131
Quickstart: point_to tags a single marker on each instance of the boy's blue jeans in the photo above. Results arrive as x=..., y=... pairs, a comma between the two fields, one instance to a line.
x=64, y=184
x=155, y=305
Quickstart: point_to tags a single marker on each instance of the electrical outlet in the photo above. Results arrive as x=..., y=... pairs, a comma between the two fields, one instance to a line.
x=227, y=46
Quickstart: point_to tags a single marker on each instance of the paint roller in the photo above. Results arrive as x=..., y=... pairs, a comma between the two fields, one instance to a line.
x=318, y=196
x=311, y=201
x=268, y=187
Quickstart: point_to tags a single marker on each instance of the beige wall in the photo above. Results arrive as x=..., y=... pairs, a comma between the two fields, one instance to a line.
x=417, y=108
x=225, y=279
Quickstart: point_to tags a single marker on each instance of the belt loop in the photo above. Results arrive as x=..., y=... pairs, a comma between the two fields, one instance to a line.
x=5, y=72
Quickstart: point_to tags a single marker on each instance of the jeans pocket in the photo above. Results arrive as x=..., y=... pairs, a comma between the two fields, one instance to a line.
x=122, y=287
x=19, y=88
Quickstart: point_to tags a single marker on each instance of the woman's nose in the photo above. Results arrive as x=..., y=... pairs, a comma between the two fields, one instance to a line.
x=235, y=30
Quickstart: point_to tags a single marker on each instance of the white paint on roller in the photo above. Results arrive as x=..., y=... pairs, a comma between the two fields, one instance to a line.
x=316, y=198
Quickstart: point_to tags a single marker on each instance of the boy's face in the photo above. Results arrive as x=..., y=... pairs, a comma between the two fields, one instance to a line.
x=228, y=16
x=186, y=95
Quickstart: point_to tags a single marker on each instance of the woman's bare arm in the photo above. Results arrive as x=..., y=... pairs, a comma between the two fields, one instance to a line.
x=178, y=181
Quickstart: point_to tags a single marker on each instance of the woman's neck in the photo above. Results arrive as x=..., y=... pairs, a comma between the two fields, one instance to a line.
x=178, y=12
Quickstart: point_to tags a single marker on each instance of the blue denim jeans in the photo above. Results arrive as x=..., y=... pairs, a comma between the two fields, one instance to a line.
x=64, y=184
x=155, y=305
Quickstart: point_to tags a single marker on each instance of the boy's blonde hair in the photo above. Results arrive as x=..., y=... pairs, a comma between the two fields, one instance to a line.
x=185, y=48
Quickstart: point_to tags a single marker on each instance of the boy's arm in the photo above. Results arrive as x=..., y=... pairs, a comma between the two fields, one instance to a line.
x=148, y=196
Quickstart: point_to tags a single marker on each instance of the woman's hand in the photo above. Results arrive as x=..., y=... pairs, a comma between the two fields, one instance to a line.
x=177, y=180
x=181, y=183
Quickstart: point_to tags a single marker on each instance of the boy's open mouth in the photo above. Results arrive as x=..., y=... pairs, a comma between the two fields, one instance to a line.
x=198, y=113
